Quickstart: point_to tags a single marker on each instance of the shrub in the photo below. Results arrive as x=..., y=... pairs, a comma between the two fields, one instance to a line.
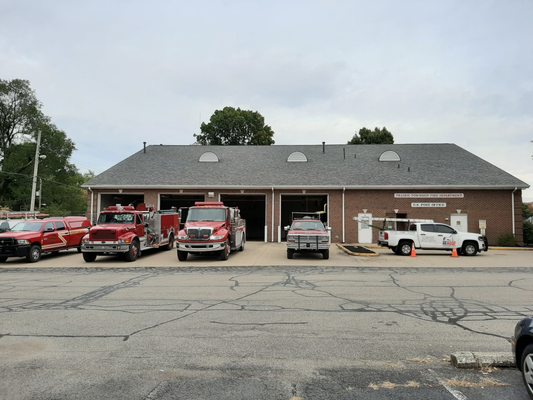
x=528, y=233
x=507, y=240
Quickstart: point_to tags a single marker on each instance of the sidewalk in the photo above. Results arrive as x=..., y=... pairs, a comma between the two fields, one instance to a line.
x=258, y=254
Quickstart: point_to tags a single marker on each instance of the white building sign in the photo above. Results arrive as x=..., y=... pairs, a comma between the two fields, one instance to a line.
x=428, y=205
x=429, y=195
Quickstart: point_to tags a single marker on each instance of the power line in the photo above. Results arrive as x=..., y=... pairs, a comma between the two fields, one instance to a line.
x=44, y=179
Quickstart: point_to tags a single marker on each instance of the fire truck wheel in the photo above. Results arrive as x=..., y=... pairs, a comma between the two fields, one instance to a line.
x=242, y=243
x=290, y=254
x=224, y=254
x=3, y=259
x=89, y=257
x=170, y=244
x=182, y=255
x=325, y=254
x=133, y=252
x=34, y=254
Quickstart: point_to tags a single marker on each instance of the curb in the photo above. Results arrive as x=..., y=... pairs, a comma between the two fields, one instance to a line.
x=351, y=253
x=510, y=248
x=467, y=359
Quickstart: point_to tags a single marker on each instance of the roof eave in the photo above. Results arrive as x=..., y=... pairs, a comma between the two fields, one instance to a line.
x=311, y=187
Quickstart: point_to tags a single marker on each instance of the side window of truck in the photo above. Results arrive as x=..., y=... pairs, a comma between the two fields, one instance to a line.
x=443, y=229
x=427, y=228
x=139, y=220
x=49, y=227
x=60, y=226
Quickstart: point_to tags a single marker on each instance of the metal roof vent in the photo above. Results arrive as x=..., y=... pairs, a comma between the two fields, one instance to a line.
x=297, y=156
x=389, y=155
x=208, y=156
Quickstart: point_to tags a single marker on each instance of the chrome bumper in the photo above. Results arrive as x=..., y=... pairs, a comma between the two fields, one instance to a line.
x=105, y=247
x=201, y=247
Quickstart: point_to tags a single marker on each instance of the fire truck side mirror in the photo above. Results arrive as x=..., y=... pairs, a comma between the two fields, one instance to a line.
x=287, y=227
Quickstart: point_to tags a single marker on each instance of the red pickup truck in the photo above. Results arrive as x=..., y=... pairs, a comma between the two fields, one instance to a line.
x=31, y=238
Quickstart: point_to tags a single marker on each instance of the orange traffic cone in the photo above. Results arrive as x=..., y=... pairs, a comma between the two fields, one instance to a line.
x=454, y=252
x=413, y=251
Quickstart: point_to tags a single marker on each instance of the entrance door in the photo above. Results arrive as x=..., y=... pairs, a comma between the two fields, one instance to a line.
x=459, y=222
x=364, y=230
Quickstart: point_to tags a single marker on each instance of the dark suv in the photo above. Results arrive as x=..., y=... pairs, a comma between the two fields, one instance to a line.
x=522, y=343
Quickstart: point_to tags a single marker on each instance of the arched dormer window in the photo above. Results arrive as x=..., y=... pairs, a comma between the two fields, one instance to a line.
x=389, y=155
x=208, y=156
x=297, y=156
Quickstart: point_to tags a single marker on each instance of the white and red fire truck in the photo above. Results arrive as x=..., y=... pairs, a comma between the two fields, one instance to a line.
x=126, y=231
x=211, y=227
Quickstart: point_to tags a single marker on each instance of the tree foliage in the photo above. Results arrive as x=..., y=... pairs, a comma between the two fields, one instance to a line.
x=20, y=113
x=231, y=126
x=376, y=136
x=21, y=119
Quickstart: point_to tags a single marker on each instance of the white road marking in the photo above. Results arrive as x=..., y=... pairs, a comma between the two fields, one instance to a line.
x=455, y=393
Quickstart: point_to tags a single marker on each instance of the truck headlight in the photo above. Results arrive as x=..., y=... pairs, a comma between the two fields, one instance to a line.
x=324, y=240
x=23, y=241
x=183, y=237
x=216, y=237
x=291, y=239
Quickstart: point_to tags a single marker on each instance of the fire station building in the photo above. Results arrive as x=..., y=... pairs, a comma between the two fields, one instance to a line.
x=347, y=183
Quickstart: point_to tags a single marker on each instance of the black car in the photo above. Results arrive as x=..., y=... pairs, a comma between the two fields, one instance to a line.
x=522, y=342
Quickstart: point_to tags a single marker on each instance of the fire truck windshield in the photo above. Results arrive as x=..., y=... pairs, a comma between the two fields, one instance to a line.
x=115, y=218
x=206, y=215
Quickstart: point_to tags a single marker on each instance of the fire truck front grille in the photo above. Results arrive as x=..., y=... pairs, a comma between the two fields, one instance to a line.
x=199, y=234
x=102, y=235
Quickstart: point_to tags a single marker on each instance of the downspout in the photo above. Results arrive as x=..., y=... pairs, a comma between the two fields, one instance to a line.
x=92, y=204
x=512, y=208
x=343, y=222
x=272, y=214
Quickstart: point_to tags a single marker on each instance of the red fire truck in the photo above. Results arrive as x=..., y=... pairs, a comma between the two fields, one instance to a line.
x=126, y=231
x=211, y=227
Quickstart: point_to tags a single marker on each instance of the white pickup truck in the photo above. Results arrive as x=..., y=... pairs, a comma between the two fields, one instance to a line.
x=432, y=236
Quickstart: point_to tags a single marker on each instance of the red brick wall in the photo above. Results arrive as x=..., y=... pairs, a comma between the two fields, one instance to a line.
x=491, y=205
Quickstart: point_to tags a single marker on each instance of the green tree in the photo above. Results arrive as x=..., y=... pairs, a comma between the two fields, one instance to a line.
x=20, y=113
x=231, y=126
x=20, y=120
x=377, y=136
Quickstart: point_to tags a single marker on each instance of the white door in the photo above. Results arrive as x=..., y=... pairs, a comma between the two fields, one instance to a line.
x=459, y=222
x=364, y=230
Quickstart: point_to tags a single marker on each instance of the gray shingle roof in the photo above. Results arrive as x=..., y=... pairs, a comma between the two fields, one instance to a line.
x=421, y=165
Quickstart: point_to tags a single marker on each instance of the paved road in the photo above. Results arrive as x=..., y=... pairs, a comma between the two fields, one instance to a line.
x=257, y=333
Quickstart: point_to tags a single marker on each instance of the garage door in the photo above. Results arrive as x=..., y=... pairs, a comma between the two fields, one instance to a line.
x=252, y=210
x=301, y=203
x=112, y=199
x=167, y=201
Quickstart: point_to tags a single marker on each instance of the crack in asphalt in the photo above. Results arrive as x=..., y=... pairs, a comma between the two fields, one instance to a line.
x=447, y=309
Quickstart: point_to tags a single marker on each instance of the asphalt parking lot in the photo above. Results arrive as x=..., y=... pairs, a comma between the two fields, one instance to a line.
x=274, y=254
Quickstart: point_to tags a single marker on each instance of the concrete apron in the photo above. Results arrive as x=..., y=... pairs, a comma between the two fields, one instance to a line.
x=259, y=254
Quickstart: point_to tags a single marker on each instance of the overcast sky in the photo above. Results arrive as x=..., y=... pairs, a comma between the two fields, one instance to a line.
x=113, y=74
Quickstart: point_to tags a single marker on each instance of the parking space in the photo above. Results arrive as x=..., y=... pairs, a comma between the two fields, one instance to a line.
x=274, y=254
